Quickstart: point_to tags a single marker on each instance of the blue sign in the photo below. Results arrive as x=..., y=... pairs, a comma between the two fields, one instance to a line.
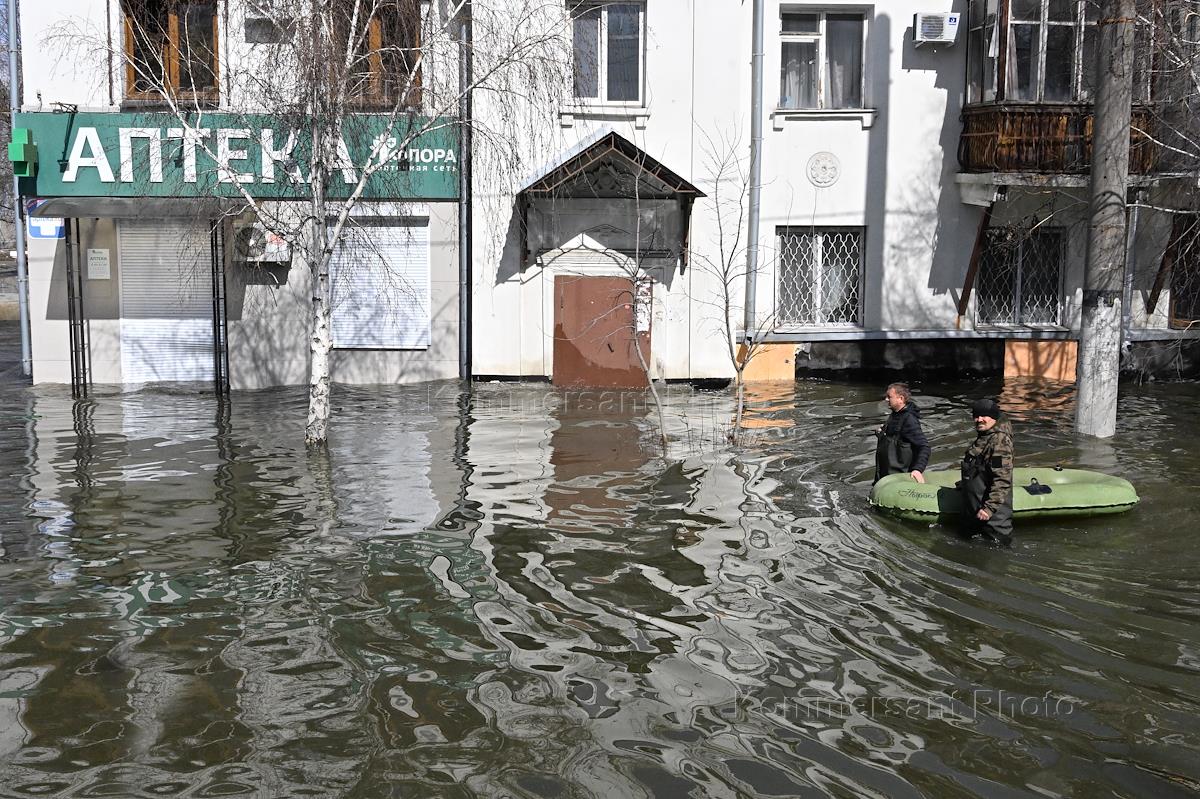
x=50, y=227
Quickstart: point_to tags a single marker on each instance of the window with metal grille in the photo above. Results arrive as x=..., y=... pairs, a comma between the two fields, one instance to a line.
x=1185, y=272
x=820, y=276
x=1020, y=277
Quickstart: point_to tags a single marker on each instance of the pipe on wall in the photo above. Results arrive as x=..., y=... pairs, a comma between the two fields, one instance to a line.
x=756, y=138
x=465, y=77
x=14, y=104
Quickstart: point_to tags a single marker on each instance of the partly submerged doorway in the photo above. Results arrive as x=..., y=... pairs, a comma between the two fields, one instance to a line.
x=598, y=331
x=608, y=227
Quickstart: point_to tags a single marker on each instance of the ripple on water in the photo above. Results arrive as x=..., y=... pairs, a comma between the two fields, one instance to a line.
x=511, y=593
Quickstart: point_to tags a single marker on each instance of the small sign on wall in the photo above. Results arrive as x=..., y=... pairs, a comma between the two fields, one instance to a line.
x=43, y=227
x=98, y=265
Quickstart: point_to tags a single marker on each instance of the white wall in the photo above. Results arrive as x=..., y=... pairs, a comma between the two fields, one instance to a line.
x=896, y=180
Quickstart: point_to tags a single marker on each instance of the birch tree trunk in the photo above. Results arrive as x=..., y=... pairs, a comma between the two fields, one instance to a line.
x=321, y=342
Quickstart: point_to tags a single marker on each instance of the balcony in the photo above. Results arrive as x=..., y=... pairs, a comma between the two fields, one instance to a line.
x=1043, y=138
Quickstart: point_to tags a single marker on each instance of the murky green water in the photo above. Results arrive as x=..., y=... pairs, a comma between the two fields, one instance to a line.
x=511, y=594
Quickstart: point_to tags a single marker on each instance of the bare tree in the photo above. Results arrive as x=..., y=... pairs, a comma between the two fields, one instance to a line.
x=725, y=262
x=321, y=69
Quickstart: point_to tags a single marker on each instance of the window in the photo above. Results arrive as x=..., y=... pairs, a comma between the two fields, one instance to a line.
x=821, y=60
x=820, y=276
x=982, y=47
x=607, y=51
x=1020, y=276
x=385, y=69
x=379, y=279
x=1049, y=51
x=170, y=46
x=1185, y=271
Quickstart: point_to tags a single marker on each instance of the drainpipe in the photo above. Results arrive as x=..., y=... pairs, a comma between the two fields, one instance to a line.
x=465, y=76
x=14, y=105
x=756, y=136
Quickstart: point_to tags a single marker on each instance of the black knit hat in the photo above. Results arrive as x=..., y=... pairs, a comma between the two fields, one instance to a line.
x=985, y=407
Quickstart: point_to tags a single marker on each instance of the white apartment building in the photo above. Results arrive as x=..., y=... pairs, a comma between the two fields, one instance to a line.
x=923, y=196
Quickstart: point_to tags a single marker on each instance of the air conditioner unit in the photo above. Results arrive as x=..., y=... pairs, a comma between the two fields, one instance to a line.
x=254, y=244
x=939, y=27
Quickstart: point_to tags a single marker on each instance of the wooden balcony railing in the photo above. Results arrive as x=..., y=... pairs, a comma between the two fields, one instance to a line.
x=1042, y=138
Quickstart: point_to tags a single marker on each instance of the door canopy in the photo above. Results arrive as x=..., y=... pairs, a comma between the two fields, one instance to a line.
x=607, y=166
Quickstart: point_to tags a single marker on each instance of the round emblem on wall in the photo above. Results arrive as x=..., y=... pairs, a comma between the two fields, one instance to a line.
x=824, y=170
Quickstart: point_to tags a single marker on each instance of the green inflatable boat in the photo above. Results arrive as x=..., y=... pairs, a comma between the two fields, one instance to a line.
x=1037, y=492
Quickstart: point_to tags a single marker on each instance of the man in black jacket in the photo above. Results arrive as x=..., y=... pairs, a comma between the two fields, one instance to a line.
x=902, y=446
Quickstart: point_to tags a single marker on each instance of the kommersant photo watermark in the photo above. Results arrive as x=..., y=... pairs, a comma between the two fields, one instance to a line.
x=964, y=704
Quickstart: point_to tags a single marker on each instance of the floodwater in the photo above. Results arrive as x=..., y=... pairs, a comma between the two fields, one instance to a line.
x=511, y=593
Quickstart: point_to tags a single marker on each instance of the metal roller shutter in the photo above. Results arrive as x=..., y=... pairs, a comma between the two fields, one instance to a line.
x=380, y=282
x=166, y=301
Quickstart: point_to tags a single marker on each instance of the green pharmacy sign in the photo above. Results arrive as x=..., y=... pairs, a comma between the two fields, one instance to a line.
x=224, y=155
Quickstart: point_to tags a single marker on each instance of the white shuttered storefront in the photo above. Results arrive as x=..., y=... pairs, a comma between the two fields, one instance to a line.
x=166, y=300
x=381, y=293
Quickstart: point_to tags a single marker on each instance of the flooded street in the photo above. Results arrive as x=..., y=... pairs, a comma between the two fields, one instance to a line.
x=511, y=593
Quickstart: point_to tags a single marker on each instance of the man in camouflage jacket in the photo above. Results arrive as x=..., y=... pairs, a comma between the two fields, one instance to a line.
x=987, y=474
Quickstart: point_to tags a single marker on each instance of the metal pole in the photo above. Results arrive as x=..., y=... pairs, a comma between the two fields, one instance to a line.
x=14, y=91
x=756, y=136
x=465, y=77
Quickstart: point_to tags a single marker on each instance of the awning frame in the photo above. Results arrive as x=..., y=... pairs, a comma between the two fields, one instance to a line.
x=555, y=183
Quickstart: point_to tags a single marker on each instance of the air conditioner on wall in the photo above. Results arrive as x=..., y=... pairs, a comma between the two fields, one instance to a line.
x=939, y=27
x=253, y=243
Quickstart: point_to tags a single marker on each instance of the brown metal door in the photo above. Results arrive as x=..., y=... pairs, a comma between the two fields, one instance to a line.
x=594, y=333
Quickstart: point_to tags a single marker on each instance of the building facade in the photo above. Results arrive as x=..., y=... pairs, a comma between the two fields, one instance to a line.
x=919, y=186
x=170, y=191
x=921, y=199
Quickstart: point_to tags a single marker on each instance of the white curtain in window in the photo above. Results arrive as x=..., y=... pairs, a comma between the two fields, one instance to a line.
x=844, y=54
x=1022, y=78
x=798, y=75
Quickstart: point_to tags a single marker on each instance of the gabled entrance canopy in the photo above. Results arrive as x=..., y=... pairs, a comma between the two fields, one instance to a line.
x=607, y=166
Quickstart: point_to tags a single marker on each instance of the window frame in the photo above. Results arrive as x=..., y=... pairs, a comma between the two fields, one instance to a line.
x=820, y=38
x=1021, y=247
x=818, y=232
x=601, y=98
x=1185, y=251
x=377, y=97
x=1079, y=26
x=172, y=55
x=1085, y=18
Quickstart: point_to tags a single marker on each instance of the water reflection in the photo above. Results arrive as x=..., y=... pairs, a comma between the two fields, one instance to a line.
x=509, y=592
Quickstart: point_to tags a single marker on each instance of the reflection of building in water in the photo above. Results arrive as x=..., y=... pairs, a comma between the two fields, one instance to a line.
x=198, y=569
x=654, y=617
x=603, y=650
x=1030, y=398
x=768, y=405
